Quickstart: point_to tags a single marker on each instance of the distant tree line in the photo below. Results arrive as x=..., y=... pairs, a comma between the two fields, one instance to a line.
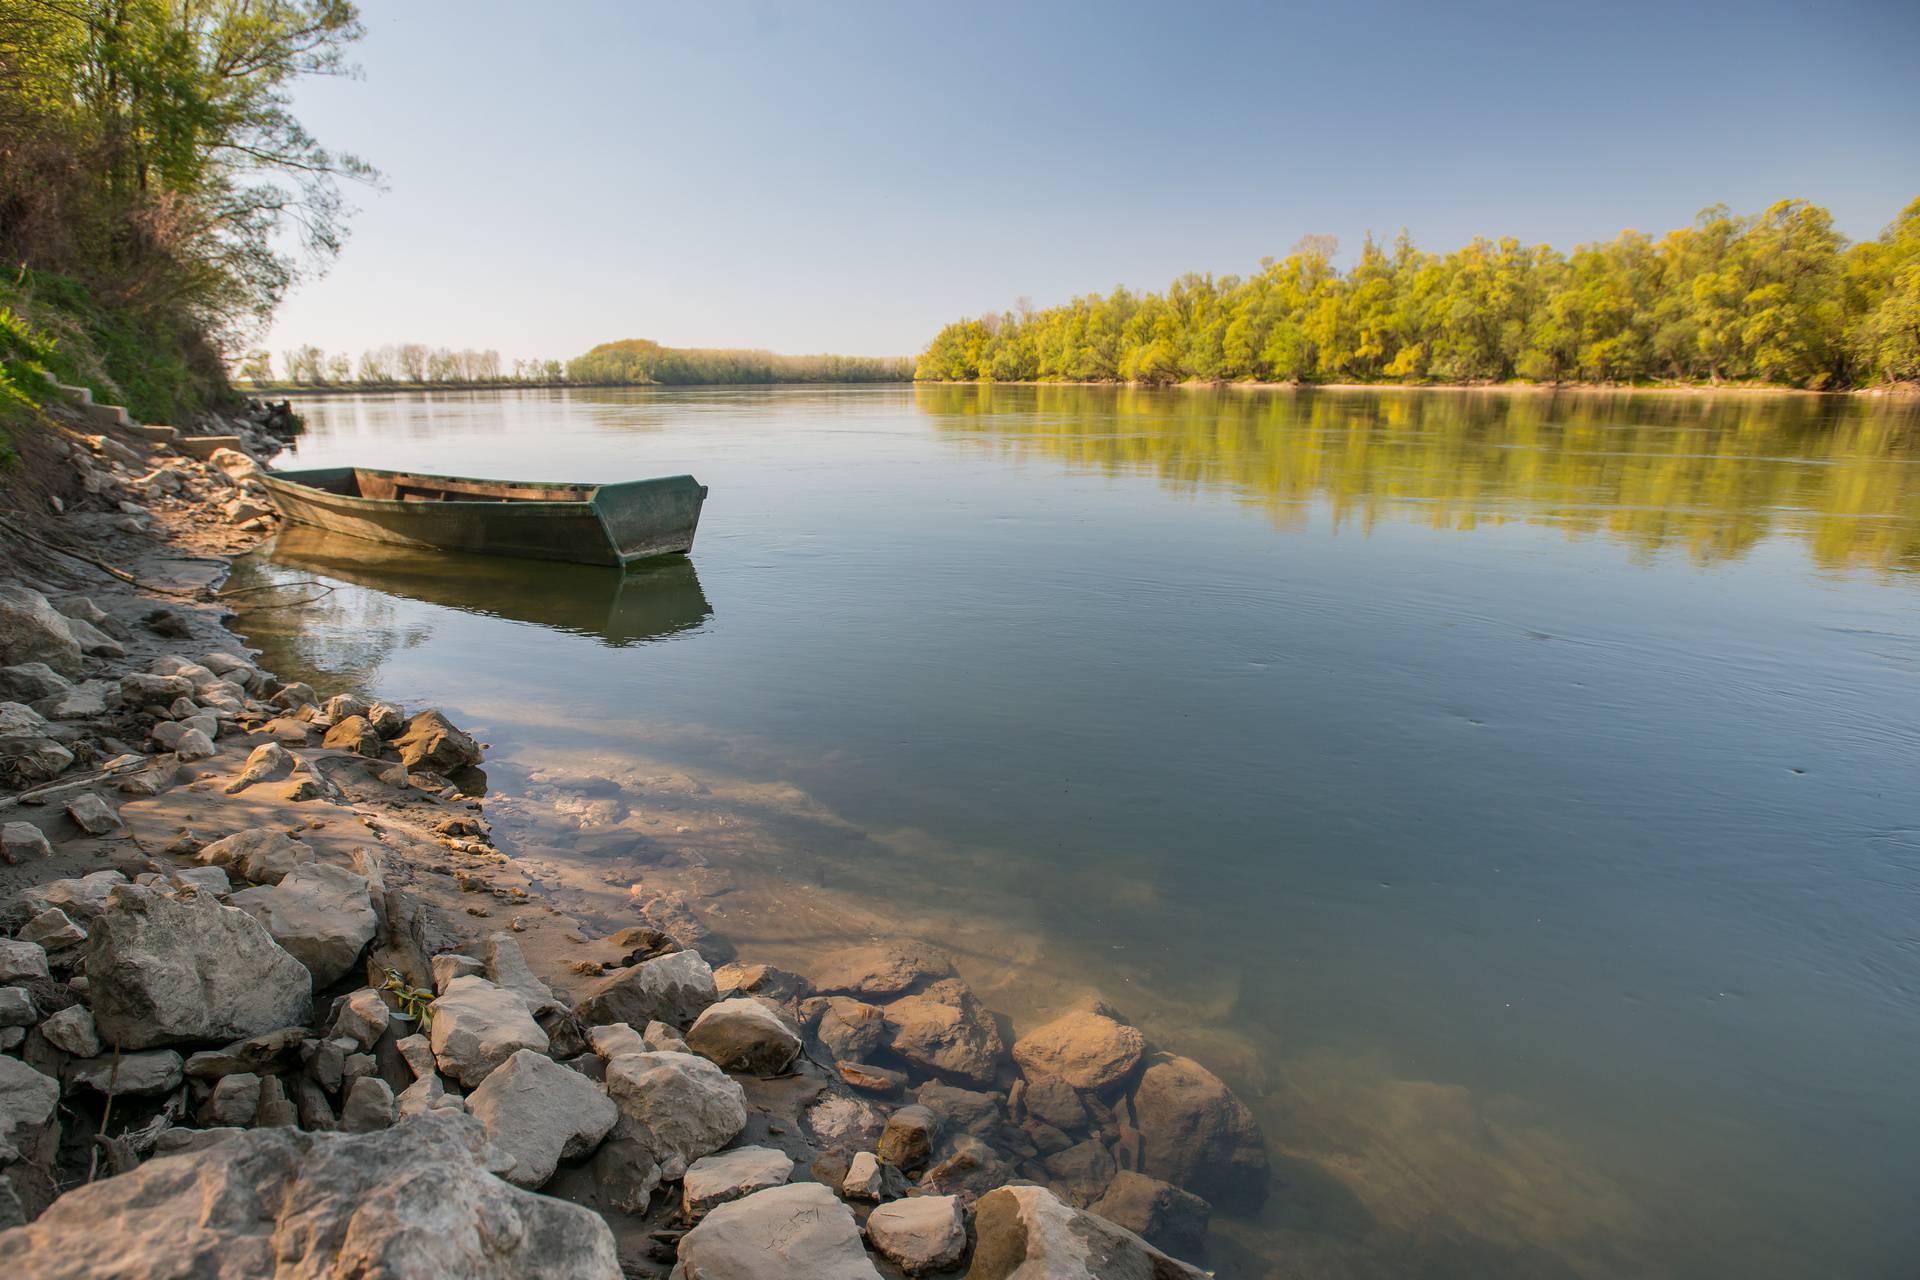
x=401, y=364
x=637, y=360
x=1780, y=297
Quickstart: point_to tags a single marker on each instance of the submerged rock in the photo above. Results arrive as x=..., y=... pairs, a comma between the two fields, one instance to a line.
x=1158, y=1212
x=410, y=1203
x=1196, y=1134
x=1027, y=1233
x=880, y=969
x=943, y=1030
x=908, y=1140
x=851, y=1030
x=1087, y=1049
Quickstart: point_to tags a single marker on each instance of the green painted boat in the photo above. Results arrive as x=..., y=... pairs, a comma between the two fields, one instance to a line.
x=607, y=524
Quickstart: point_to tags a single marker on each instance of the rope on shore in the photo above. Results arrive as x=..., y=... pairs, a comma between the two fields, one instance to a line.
x=185, y=593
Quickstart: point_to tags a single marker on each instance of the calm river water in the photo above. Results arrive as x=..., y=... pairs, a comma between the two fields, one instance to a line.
x=1513, y=796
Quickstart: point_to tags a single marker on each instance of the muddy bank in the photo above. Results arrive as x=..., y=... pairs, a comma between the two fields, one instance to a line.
x=260, y=936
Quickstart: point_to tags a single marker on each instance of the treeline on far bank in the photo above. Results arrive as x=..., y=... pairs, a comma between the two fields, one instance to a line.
x=634, y=361
x=640, y=360
x=1780, y=297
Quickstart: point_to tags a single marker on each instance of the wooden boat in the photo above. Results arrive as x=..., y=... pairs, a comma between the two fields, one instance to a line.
x=609, y=524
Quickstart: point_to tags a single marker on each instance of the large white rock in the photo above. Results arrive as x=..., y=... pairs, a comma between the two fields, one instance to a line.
x=265, y=763
x=477, y=1026
x=71, y=1031
x=369, y=1106
x=52, y=929
x=715, y=1180
x=507, y=967
x=162, y=969
x=320, y=912
x=83, y=898
x=681, y=1107
x=87, y=701
x=743, y=1034
x=1028, y=1233
x=23, y=842
x=925, y=1233
x=260, y=854
x=408, y=1203
x=30, y=681
x=31, y=630
x=21, y=960
x=363, y=1016
x=782, y=1233
x=671, y=989
x=541, y=1113
x=615, y=1038
x=155, y=1071
x=27, y=1102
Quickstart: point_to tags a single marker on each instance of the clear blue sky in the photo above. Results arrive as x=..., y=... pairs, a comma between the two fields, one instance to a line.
x=848, y=177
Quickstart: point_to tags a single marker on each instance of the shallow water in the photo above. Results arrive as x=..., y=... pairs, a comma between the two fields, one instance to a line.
x=1511, y=794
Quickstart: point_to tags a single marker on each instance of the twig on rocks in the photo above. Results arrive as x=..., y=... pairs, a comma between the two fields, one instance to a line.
x=98, y=563
x=113, y=1078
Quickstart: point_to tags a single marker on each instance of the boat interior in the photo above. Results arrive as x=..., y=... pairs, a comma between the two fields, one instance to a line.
x=401, y=486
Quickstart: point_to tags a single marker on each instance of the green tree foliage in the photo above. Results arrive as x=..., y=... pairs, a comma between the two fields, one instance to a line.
x=1776, y=298
x=150, y=168
x=637, y=360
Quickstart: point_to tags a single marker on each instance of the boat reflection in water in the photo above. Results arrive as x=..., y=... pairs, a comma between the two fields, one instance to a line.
x=659, y=598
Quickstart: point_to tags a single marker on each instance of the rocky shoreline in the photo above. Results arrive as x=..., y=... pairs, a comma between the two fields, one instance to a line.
x=274, y=1003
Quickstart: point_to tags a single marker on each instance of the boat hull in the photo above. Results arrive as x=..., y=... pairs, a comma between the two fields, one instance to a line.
x=615, y=524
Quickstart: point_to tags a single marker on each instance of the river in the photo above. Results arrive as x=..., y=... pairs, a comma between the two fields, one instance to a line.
x=1511, y=795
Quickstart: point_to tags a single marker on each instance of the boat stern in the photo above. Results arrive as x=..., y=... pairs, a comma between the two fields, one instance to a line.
x=649, y=518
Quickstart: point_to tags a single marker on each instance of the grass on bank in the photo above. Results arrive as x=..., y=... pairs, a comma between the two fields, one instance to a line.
x=160, y=370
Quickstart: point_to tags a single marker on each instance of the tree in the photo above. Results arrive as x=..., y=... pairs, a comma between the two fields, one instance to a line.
x=1777, y=297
